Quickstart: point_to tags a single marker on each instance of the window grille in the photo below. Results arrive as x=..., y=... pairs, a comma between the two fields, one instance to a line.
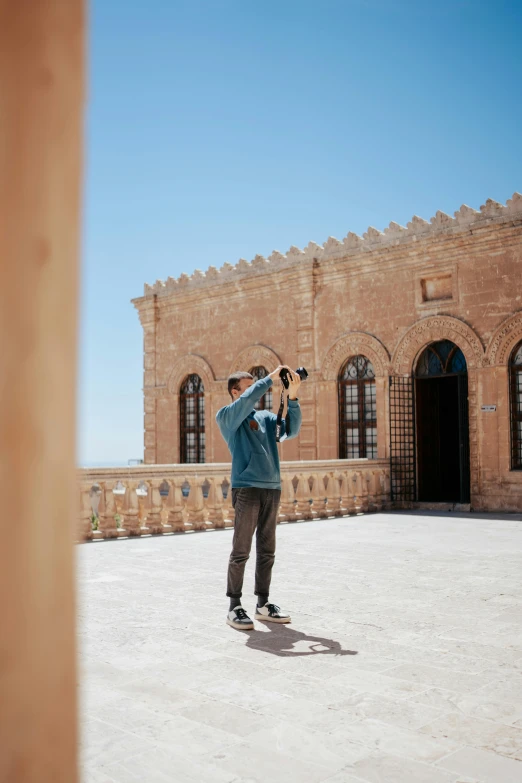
x=192, y=415
x=515, y=382
x=265, y=403
x=441, y=358
x=402, y=439
x=357, y=410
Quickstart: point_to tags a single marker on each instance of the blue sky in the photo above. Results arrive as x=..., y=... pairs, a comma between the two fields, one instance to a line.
x=218, y=129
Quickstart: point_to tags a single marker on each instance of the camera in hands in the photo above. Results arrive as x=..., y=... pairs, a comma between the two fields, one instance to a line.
x=285, y=379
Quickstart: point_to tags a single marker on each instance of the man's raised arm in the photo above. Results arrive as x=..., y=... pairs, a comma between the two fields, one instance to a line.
x=233, y=415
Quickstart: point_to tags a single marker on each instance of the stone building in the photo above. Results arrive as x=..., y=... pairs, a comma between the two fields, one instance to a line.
x=412, y=338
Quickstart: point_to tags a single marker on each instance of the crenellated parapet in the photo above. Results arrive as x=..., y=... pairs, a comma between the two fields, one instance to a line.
x=463, y=220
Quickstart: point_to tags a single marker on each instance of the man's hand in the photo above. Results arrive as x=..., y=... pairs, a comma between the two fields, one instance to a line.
x=295, y=382
x=293, y=378
x=275, y=374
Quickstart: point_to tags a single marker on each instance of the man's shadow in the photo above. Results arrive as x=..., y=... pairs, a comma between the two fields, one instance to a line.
x=283, y=641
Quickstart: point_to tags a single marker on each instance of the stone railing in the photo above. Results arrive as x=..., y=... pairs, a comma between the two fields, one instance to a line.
x=158, y=499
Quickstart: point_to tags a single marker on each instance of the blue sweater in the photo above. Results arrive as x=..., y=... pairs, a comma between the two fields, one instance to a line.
x=251, y=438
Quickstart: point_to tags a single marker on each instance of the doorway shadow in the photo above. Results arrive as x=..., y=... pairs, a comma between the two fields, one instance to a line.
x=281, y=640
x=506, y=516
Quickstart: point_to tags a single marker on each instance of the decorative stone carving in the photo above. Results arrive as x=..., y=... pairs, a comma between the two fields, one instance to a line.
x=418, y=225
x=196, y=507
x=508, y=334
x=215, y=502
x=438, y=327
x=373, y=235
x=394, y=230
x=295, y=253
x=313, y=250
x=466, y=214
x=441, y=220
x=394, y=233
x=259, y=262
x=276, y=258
x=353, y=241
x=332, y=246
x=514, y=204
x=492, y=208
x=186, y=365
x=171, y=285
x=254, y=356
x=352, y=344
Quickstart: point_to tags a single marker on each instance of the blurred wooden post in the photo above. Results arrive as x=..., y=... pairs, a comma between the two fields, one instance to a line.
x=41, y=106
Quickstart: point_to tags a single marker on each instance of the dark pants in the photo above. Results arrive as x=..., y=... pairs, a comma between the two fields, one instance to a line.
x=255, y=508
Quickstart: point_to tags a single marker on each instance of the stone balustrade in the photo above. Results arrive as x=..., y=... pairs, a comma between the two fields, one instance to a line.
x=158, y=499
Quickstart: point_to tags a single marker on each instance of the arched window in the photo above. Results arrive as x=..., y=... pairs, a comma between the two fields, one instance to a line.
x=357, y=410
x=192, y=424
x=515, y=378
x=441, y=358
x=265, y=403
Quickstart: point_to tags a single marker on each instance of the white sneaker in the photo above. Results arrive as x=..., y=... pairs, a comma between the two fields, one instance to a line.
x=239, y=619
x=271, y=613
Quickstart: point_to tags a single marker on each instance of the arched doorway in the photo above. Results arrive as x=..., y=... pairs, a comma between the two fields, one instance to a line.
x=442, y=425
x=515, y=382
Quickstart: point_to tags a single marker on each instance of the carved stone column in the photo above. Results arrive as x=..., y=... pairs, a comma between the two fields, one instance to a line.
x=386, y=488
x=347, y=505
x=358, y=491
x=85, y=523
x=318, y=496
x=164, y=492
x=333, y=497
x=155, y=522
x=365, y=477
x=304, y=510
x=132, y=523
x=287, y=505
x=373, y=489
x=142, y=492
x=215, y=503
x=119, y=492
x=377, y=491
x=107, y=511
x=230, y=514
x=196, y=504
x=41, y=107
x=176, y=516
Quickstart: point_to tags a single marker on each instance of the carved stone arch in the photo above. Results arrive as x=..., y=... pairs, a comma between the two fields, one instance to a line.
x=186, y=365
x=352, y=344
x=255, y=356
x=506, y=337
x=429, y=330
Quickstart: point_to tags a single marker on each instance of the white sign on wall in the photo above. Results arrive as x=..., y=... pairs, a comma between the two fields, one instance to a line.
x=489, y=408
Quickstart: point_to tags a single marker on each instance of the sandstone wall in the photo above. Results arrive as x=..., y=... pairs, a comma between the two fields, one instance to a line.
x=386, y=295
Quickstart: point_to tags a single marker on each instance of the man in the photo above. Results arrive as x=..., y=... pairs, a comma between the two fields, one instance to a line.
x=256, y=487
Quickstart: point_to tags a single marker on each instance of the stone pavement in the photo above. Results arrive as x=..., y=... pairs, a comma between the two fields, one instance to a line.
x=403, y=662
